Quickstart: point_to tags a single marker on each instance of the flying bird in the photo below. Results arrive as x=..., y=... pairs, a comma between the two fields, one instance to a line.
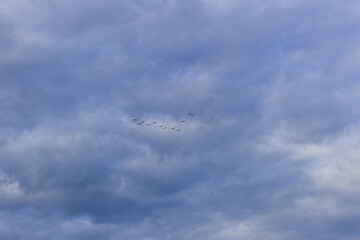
x=140, y=122
x=134, y=119
x=178, y=129
x=173, y=128
x=182, y=121
x=191, y=114
x=165, y=127
x=148, y=124
x=154, y=122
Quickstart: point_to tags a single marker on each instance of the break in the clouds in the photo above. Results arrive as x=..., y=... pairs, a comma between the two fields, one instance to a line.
x=271, y=152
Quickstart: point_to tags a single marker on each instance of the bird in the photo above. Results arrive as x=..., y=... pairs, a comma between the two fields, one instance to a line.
x=173, y=128
x=161, y=126
x=191, y=114
x=178, y=129
x=182, y=121
x=148, y=124
x=154, y=122
x=165, y=127
x=141, y=122
x=134, y=119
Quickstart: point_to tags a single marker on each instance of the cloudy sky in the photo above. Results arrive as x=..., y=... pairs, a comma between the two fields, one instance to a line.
x=272, y=151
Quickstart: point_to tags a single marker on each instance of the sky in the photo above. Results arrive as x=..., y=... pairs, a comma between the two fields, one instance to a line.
x=272, y=151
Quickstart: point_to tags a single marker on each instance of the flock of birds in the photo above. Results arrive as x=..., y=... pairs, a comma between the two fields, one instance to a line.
x=140, y=122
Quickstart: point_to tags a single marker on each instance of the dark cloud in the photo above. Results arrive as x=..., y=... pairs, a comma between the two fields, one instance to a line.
x=270, y=153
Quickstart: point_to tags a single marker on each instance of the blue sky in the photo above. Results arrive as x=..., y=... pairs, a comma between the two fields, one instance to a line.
x=271, y=153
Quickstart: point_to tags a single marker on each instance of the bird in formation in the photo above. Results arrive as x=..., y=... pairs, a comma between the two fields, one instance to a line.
x=162, y=126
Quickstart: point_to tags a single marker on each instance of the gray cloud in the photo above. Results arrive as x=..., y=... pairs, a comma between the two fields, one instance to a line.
x=271, y=152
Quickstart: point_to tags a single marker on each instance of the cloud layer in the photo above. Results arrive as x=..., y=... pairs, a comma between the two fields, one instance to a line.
x=271, y=152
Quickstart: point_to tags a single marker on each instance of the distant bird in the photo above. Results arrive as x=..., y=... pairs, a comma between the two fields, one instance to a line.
x=173, y=128
x=165, y=127
x=191, y=114
x=134, y=119
x=141, y=122
x=178, y=129
x=148, y=124
x=161, y=126
x=154, y=122
x=182, y=121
